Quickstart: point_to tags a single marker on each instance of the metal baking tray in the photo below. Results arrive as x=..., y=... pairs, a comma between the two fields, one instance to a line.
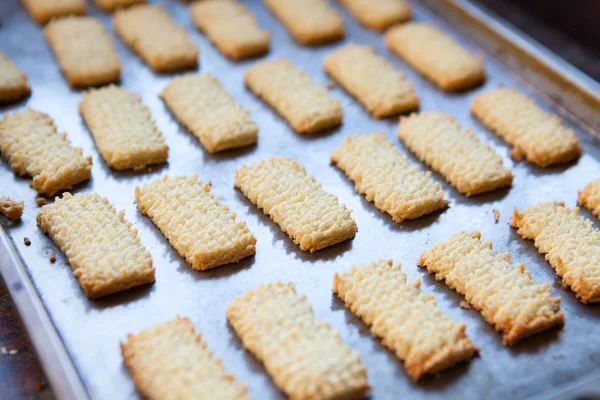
x=78, y=339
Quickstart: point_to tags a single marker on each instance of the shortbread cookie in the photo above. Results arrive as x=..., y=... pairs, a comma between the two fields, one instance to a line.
x=379, y=14
x=197, y=225
x=13, y=82
x=84, y=51
x=290, y=91
x=304, y=355
x=209, y=112
x=31, y=145
x=104, y=250
x=311, y=22
x=387, y=178
x=436, y=56
x=470, y=165
x=153, y=35
x=231, y=28
x=505, y=294
x=112, y=5
x=589, y=197
x=570, y=243
x=43, y=11
x=171, y=361
x=538, y=136
x=13, y=209
x=313, y=218
x=372, y=80
x=408, y=322
x=124, y=132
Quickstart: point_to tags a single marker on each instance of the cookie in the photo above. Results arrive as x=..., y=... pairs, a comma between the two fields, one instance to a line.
x=103, y=249
x=589, y=197
x=470, y=165
x=290, y=91
x=13, y=209
x=539, y=137
x=153, y=35
x=407, y=321
x=112, y=5
x=31, y=145
x=569, y=242
x=372, y=80
x=197, y=225
x=505, y=294
x=209, y=112
x=312, y=218
x=123, y=129
x=303, y=355
x=84, y=51
x=231, y=28
x=171, y=361
x=43, y=11
x=379, y=14
x=387, y=178
x=13, y=82
x=436, y=56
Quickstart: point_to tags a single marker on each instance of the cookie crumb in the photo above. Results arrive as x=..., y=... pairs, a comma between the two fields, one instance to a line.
x=26, y=241
x=40, y=201
x=4, y=350
x=465, y=305
x=330, y=84
x=13, y=352
x=496, y=215
x=52, y=258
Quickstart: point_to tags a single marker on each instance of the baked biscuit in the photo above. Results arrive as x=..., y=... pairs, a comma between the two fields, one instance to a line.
x=372, y=80
x=43, y=11
x=312, y=218
x=290, y=91
x=408, y=322
x=231, y=28
x=13, y=209
x=470, y=165
x=209, y=112
x=84, y=51
x=104, y=251
x=153, y=35
x=13, y=82
x=112, y=5
x=379, y=14
x=124, y=132
x=387, y=178
x=171, y=361
x=505, y=294
x=570, y=243
x=539, y=137
x=197, y=225
x=303, y=355
x=436, y=56
x=30, y=144
x=589, y=197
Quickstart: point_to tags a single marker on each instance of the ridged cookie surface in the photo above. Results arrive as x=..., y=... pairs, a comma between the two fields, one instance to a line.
x=570, y=243
x=104, y=251
x=505, y=294
x=589, y=197
x=112, y=5
x=13, y=209
x=43, y=11
x=13, y=82
x=313, y=218
x=387, y=178
x=379, y=14
x=171, y=361
x=304, y=355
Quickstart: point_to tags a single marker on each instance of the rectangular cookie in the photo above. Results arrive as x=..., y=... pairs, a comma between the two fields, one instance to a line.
x=43, y=11
x=171, y=361
x=312, y=218
x=84, y=51
x=122, y=127
x=31, y=145
x=13, y=209
x=505, y=294
x=197, y=225
x=570, y=243
x=436, y=56
x=112, y=5
x=104, y=250
x=379, y=14
x=407, y=321
x=303, y=355
x=231, y=28
x=589, y=197
x=310, y=22
x=153, y=35
x=538, y=136
x=470, y=165
x=13, y=82
x=372, y=80
x=209, y=112
x=387, y=178
x=305, y=105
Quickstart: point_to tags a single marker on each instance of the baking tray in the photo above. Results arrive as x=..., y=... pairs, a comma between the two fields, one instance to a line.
x=78, y=339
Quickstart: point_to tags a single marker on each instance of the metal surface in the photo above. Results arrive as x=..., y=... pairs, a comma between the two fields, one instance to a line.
x=91, y=330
